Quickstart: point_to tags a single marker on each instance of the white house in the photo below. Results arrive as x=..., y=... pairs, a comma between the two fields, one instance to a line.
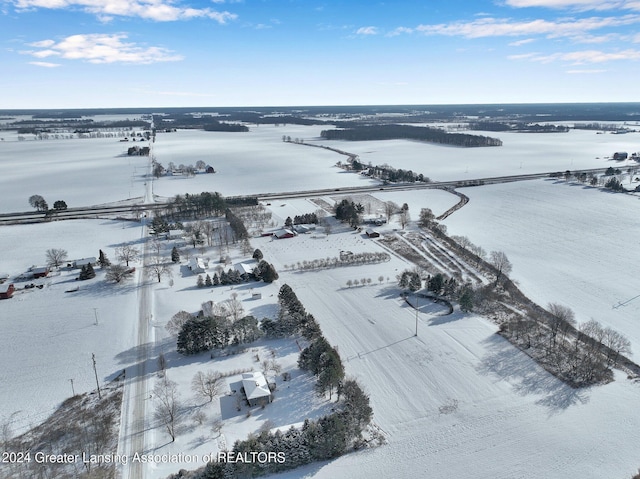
x=256, y=388
x=79, y=263
x=198, y=264
x=245, y=267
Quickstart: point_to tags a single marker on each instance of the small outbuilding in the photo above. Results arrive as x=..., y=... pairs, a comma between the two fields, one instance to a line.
x=372, y=234
x=620, y=155
x=6, y=290
x=39, y=271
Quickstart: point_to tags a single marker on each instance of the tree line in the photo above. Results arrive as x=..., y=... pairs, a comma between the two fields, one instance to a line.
x=394, y=132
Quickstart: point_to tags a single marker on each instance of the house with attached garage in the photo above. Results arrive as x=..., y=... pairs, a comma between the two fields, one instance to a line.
x=256, y=388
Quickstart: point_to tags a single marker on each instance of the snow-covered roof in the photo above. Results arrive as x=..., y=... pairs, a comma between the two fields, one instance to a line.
x=283, y=232
x=245, y=267
x=255, y=385
x=197, y=263
x=5, y=287
x=84, y=261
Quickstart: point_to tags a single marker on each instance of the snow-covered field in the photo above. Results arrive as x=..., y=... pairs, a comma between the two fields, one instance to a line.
x=456, y=401
x=568, y=244
x=48, y=335
x=520, y=153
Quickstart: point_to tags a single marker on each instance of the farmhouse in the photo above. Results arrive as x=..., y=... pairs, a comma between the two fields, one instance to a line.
x=175, y=234
x=79, y=263
x=6, y=290
x=245, y=267
x=283, y=233
x=372, y=234
x=198, y=265
x=256, y=388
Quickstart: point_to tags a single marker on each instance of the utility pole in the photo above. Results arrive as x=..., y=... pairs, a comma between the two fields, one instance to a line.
x=95, y=313
x=72, y=390
x=416, y=313
x=93, y=358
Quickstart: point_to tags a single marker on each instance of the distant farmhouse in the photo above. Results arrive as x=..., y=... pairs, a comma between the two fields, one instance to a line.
x=284, y=233
x=6, y=290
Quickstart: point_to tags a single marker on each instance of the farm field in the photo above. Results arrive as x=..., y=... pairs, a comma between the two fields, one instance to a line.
x=455, y=401
x=568, y=244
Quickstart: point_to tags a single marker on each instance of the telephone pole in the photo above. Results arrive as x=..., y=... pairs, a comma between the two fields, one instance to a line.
x=93, y=358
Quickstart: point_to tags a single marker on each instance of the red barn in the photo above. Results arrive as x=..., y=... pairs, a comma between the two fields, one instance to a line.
x=6, y=290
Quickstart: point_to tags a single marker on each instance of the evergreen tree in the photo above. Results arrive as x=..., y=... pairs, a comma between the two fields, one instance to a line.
x=436, y=283
x=207, y=281
x=87, y=272
x=175, y=255
x=200, y=281
x=216, y=280
x=103, y=261
x=466, y=300
x=257, y=255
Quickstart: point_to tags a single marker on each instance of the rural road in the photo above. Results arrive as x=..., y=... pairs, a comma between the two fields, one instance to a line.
x=134, y=423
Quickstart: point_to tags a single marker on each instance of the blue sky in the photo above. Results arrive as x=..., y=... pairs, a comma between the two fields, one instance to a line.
x=132, y=53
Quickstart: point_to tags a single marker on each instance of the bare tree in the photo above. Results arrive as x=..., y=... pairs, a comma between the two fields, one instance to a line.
x=271, y=365
x=158, y=268
x=127, y=253
x=235, y=308
x=168, y=406
x=501, y=263
x=174, y=325
x=389, y=209
x=463, y=242
x=562, y=319
x=56, y=256
x=405, y=217
x=157, y=247
x=616, y=343
x=207, y=385
x=117, y=273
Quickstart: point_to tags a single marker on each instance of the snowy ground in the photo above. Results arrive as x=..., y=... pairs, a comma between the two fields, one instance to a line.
x=48, y=335
x=568, y=244
x=457, y=401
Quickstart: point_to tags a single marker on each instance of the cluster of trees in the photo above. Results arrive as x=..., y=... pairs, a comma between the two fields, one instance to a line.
x=614, y=184
x=323, y=360
x=292, y=318
x=264, y=271
x=304, y=219
x=237, y=226
x=390, y=174
x=519, y=126
x=223, y=326
x=40, y=204
x=394, y=132
x=87, y=272
x=196, y=205
x=349, y=212
x=344, y=260
x=213, y=125
x=159, y=224
x=578, y=355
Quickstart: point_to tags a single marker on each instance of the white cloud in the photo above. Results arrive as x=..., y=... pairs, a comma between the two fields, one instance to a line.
x=579, y=5
x=158, y=10
x=45, y=64
x=521, y=42
x=101, y=48
x=400, y=31
x=585, y=72
x=367, y=31
x=496, y=27
x=580, y=57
